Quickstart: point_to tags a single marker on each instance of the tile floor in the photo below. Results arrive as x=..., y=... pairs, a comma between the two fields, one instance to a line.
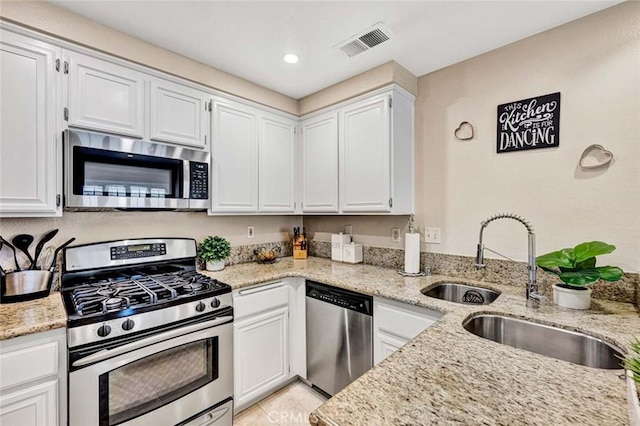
x=291, y=405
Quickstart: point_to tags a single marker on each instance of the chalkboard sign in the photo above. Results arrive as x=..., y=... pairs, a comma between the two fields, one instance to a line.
x=529, y=124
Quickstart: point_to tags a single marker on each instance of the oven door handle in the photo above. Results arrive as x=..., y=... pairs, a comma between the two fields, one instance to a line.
x=110, y=353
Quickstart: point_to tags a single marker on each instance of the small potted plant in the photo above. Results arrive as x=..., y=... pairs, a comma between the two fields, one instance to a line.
x=576, y=268
x=632, y=364
x=214, y=251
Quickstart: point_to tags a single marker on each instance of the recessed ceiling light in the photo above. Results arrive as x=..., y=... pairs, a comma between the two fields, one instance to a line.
x=290, y=58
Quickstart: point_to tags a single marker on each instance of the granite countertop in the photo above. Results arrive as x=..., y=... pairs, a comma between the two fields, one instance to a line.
x=34, y=316
x=447, y=375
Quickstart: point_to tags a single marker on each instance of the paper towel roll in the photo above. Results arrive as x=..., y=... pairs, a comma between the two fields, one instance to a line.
x=412, y=253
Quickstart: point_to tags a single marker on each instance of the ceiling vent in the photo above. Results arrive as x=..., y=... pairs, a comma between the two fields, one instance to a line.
x=365, y=40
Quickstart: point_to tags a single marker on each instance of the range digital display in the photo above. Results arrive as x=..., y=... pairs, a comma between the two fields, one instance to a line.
x=139, y=247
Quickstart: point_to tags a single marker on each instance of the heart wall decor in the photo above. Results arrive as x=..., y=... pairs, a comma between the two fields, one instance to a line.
x=464, y=132
x=594, y=157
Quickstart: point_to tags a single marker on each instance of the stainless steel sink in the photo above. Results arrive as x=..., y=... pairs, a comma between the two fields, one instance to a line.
x=553, y=342
x=461, y=293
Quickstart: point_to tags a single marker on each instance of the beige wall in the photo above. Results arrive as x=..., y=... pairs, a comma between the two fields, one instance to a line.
x=383, y=75
x=595, y=63
x=64, y=24
x=90, y=227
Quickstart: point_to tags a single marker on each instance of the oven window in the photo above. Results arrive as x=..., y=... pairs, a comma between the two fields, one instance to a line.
x=157, y=380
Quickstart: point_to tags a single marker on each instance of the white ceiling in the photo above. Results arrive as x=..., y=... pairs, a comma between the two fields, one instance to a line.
x=248, y=38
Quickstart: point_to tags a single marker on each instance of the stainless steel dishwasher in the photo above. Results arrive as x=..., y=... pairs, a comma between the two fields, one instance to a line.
x=339, y=336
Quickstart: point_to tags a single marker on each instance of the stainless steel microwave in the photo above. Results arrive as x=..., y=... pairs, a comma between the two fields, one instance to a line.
x=105, y=172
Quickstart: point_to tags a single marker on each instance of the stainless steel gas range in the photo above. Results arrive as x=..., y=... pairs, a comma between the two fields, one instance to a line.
x=150, y=339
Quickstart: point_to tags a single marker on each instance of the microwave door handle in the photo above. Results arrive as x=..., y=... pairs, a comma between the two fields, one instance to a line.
x=110, y=353
x=186, y=178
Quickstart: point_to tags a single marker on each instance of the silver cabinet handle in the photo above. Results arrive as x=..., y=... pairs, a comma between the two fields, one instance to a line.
x=259, y=289
x=110, y=353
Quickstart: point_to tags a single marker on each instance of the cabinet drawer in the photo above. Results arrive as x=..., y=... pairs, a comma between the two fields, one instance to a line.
x=29, y=364
x=251, y=300
x=403, y=321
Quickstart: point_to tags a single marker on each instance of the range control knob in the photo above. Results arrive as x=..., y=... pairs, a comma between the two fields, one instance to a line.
x=215, y=302
x=200, y=307
x=128, y=325
x=104, y=330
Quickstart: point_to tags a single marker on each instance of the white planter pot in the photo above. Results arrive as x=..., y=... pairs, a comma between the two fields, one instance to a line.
x=634, y=403
x=570, y=298
x=217, y=265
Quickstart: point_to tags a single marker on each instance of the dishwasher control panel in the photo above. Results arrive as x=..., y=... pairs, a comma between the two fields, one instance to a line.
x=340, y=297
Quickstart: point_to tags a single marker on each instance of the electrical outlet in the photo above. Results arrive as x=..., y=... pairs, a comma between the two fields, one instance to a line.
x=432, y=235
x=250, y=232
x=395, y=235
x=348, y=229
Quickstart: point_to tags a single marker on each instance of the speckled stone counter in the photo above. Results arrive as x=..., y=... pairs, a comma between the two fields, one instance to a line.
x=34, y=316
x=446, y=375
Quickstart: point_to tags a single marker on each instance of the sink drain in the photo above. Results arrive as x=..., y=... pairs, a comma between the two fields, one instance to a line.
x=474, y=297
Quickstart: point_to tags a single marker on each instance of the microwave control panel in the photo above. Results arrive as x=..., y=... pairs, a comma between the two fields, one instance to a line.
x=199, y=181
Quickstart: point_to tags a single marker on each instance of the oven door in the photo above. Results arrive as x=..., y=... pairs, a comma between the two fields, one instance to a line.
x=163, y=379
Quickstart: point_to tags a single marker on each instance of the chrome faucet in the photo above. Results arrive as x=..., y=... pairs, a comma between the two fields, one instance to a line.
x=532, y=295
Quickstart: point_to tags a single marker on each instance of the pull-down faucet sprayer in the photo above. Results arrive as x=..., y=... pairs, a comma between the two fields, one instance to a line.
x=532, y=295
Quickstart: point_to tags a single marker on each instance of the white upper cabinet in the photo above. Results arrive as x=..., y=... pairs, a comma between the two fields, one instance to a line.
x=358, y=156
x=29, y=137
x=234, y=158
x=320, y=164
x=276, y=153
x=365, y=145
x=105, y=96
x=179, y=114
x=253, y=157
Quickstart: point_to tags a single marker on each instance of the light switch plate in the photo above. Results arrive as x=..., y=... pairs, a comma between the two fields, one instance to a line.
x=250, y=232
x=348, y=229
x=432, y=235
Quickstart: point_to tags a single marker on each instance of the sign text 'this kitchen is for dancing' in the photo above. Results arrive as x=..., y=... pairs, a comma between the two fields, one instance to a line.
x=529, y=124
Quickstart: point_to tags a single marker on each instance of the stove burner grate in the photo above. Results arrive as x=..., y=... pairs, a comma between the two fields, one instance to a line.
x=138, y=289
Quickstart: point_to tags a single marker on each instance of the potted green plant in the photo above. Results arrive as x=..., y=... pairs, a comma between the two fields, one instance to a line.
x=214, y=251
x=576, y=268
x=632, y=364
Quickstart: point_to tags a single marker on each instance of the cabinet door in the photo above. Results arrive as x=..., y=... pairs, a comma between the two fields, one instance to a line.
x=33, y=406
x=105, y=96
x=29, y=90
x=395, y=323
x=320, y=164
x=365, y=164
x=386, y=344
x=261, y=360
x=179, y=114
x=234, y=158
x=276, y=164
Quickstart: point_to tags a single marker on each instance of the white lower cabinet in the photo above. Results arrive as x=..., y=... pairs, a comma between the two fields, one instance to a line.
x=261, y=341
x=395, y=323
x=33, y=384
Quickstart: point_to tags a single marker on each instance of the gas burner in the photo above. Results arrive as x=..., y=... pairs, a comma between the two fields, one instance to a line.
x=192, y=287
x=112, y=303
x=107, y=291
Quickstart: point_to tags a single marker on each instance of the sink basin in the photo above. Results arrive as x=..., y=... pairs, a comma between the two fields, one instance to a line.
x=542, y=339
x=461, y=293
